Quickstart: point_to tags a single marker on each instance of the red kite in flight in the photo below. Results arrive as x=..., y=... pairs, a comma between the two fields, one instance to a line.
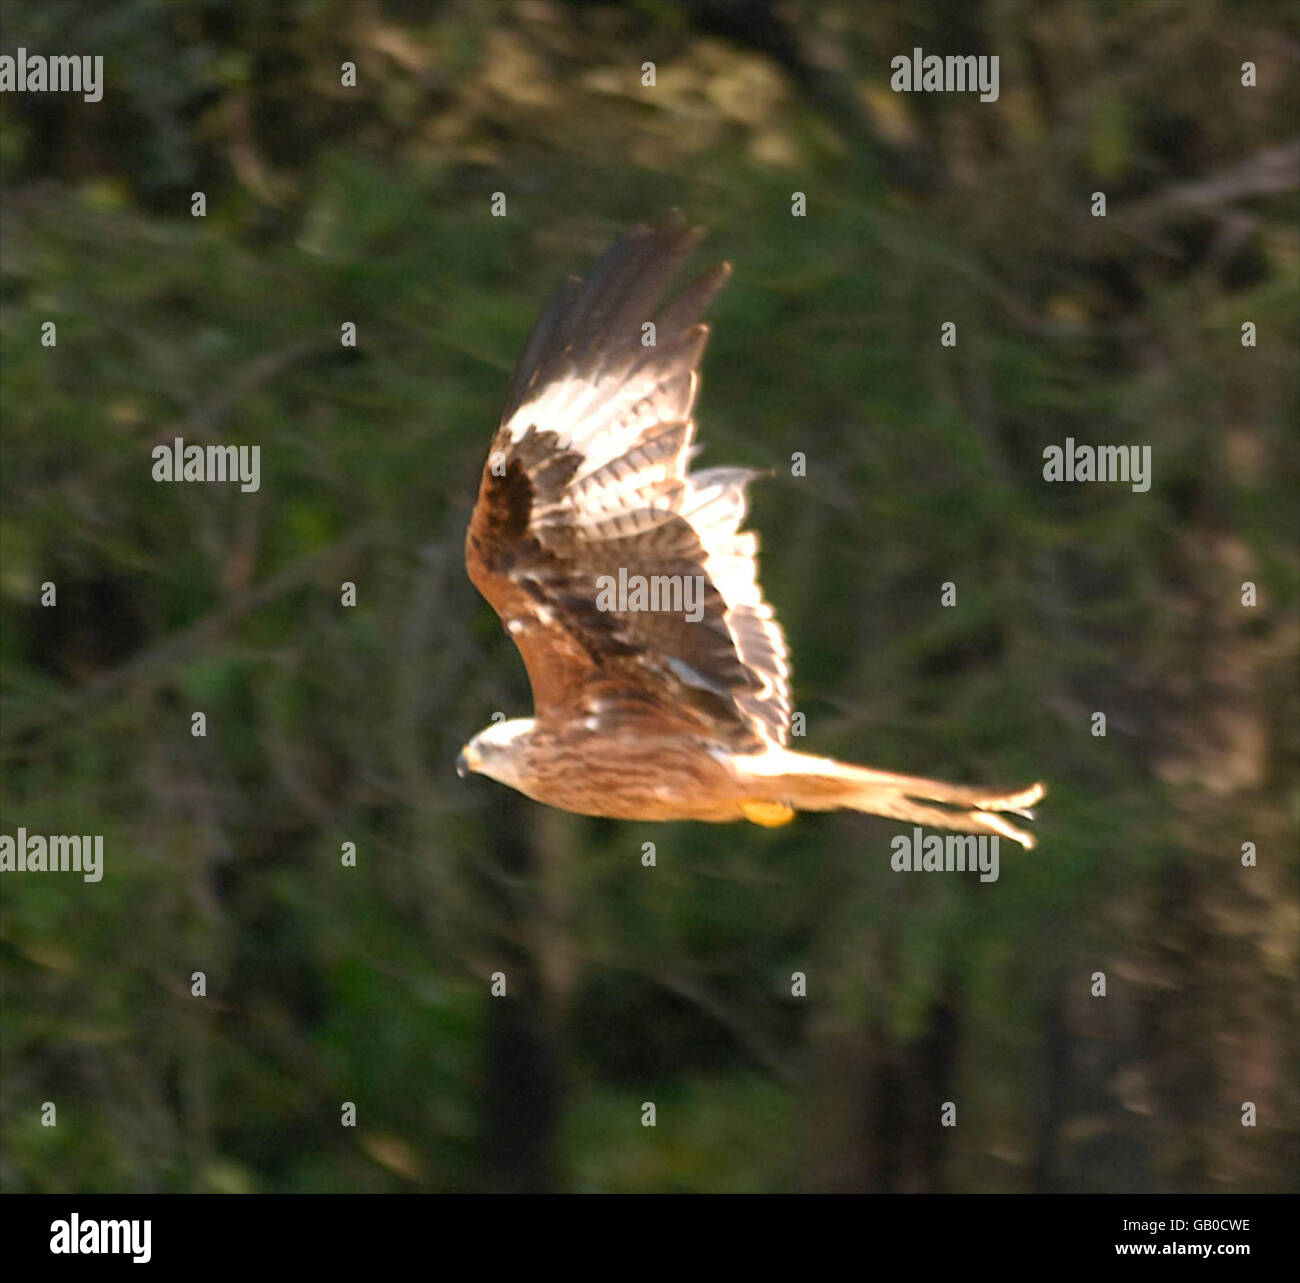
x=660, y=677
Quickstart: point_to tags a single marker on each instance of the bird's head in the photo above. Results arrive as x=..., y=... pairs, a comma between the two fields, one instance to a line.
x=494, y=751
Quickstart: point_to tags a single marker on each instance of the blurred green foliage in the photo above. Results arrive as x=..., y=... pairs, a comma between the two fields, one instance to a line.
x=329, y=725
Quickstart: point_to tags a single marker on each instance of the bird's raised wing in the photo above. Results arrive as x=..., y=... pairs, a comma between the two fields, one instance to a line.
x=586, y=495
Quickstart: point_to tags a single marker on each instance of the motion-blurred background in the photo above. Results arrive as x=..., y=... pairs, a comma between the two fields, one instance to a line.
x=327, y=724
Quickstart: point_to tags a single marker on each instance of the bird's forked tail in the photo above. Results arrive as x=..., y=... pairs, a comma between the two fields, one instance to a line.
x=783, y=781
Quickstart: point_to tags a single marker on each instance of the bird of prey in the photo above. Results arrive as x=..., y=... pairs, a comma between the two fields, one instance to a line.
x=660, y=676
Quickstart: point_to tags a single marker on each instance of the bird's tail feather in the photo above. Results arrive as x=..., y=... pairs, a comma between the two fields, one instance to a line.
x=809, y=783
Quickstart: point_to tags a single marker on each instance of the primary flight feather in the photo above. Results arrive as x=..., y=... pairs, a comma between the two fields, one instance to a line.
x=670, y=701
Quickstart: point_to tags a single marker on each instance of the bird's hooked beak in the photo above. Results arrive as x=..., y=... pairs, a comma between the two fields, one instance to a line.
x=463, y=767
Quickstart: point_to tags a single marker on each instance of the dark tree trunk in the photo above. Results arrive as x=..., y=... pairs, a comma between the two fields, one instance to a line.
x=521, y=1087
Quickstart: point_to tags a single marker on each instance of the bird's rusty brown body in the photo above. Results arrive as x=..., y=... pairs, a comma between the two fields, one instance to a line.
x=627, y=775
